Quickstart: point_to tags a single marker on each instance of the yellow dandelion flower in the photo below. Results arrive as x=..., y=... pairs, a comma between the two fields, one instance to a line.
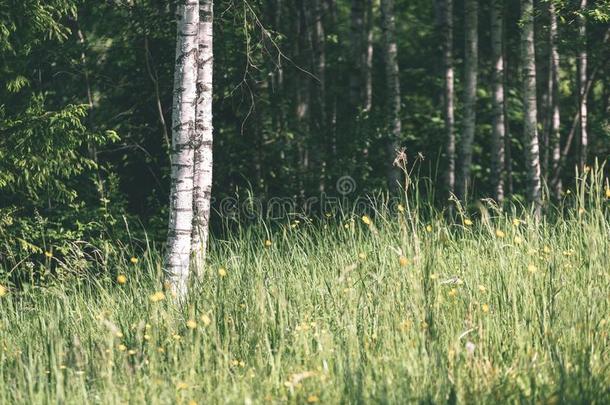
x=182, y=386
x=312, y=399
x=48, y=254
x=546, y=249
x=131, y=352
x=401, y=208
x=119, y=334
x=607, y=192
x=482, y=288
x=453, y=292
x=433, y=276
x=222, y=272
x=192, y=402
x=3, y=291
x=428, y=228
x=121, y=279
x=404, y=262
x=133, y=260
x=467, y=222
x=500, y=233
x=532, y=268
x=518, y=240
x=366, y=220
x=362, y=256
x=516, y=222
x=160, y=350
x=191, y=324
x=485, y=308
x=158, y=296
x=206, y=320
x=176, y=336
x=122, y=348
x=268, y=243
x=146, y=337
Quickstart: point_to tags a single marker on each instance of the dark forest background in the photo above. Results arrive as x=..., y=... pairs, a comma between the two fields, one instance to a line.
x=86, y=89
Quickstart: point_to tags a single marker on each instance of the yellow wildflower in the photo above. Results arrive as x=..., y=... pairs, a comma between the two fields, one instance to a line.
x=181, y=386
x=312, y=399
x=581, y=211
x=485, y=308
x=191, y=324
x=206, y=320
x=48, y=254
x=222, y=272
x=482, y=288
x=267, y=243
x=546, y=250
x=122, y=348
x=121, y=279
x=428, y=228
x=518, y=240
x=433, y=276
x=3, y=291
x=366, y=220
x=467, y=222
x=176, y=336
x=131, y=352
x=146, y=337
x=362, y=256
x=516, y=222
x=401, y=208
x=133, y=260
x=403, y=261
x=453, y=292
x=192, y=402
x=532, y=268
x=500, y=233
x=158, y=296
x=607, y=192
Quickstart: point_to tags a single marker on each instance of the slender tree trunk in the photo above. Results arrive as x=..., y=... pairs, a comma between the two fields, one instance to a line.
x=470, y=96
x=320, y=123
x=393, y=88
x=447, y=26
x=555, y=118
x=183, y=125
x=498, y=126
x=203, y=134
x=367, y=65
x=582, y=81
x=356, y=45
x=534, y=191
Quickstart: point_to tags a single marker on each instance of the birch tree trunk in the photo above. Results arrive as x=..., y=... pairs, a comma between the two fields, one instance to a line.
x=470, y=88
x=183, y=125
x=498, y=126
x=555, y=118
x=447, y=27
x=367, y=65
x=203, y=135
x=356, y=45
x=529, y=105
x=393, y=88
x=582, y=81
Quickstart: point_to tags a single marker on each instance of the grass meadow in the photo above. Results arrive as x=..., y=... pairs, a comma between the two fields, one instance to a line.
x=401, y=305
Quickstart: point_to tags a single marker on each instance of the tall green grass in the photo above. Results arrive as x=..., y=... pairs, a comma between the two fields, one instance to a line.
x=404, y=306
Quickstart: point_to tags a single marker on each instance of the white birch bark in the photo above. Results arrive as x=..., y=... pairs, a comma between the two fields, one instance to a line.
x=529, y=105
x=393, y=87
x=582, y=81
x=498, y=126
x=203, y=135
x=555, y=119
x=470, y=88
x=447, y=27
x=183, y=124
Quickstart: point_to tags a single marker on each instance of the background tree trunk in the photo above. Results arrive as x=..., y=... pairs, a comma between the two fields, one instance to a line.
x=356, y=45
x=183, y=125
x=582, y=81
x=393, y=88
x=203, y=134
x=470, y=95
x=555, y=118
x=447, y=27
x=497, y=153
x=534, y=191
